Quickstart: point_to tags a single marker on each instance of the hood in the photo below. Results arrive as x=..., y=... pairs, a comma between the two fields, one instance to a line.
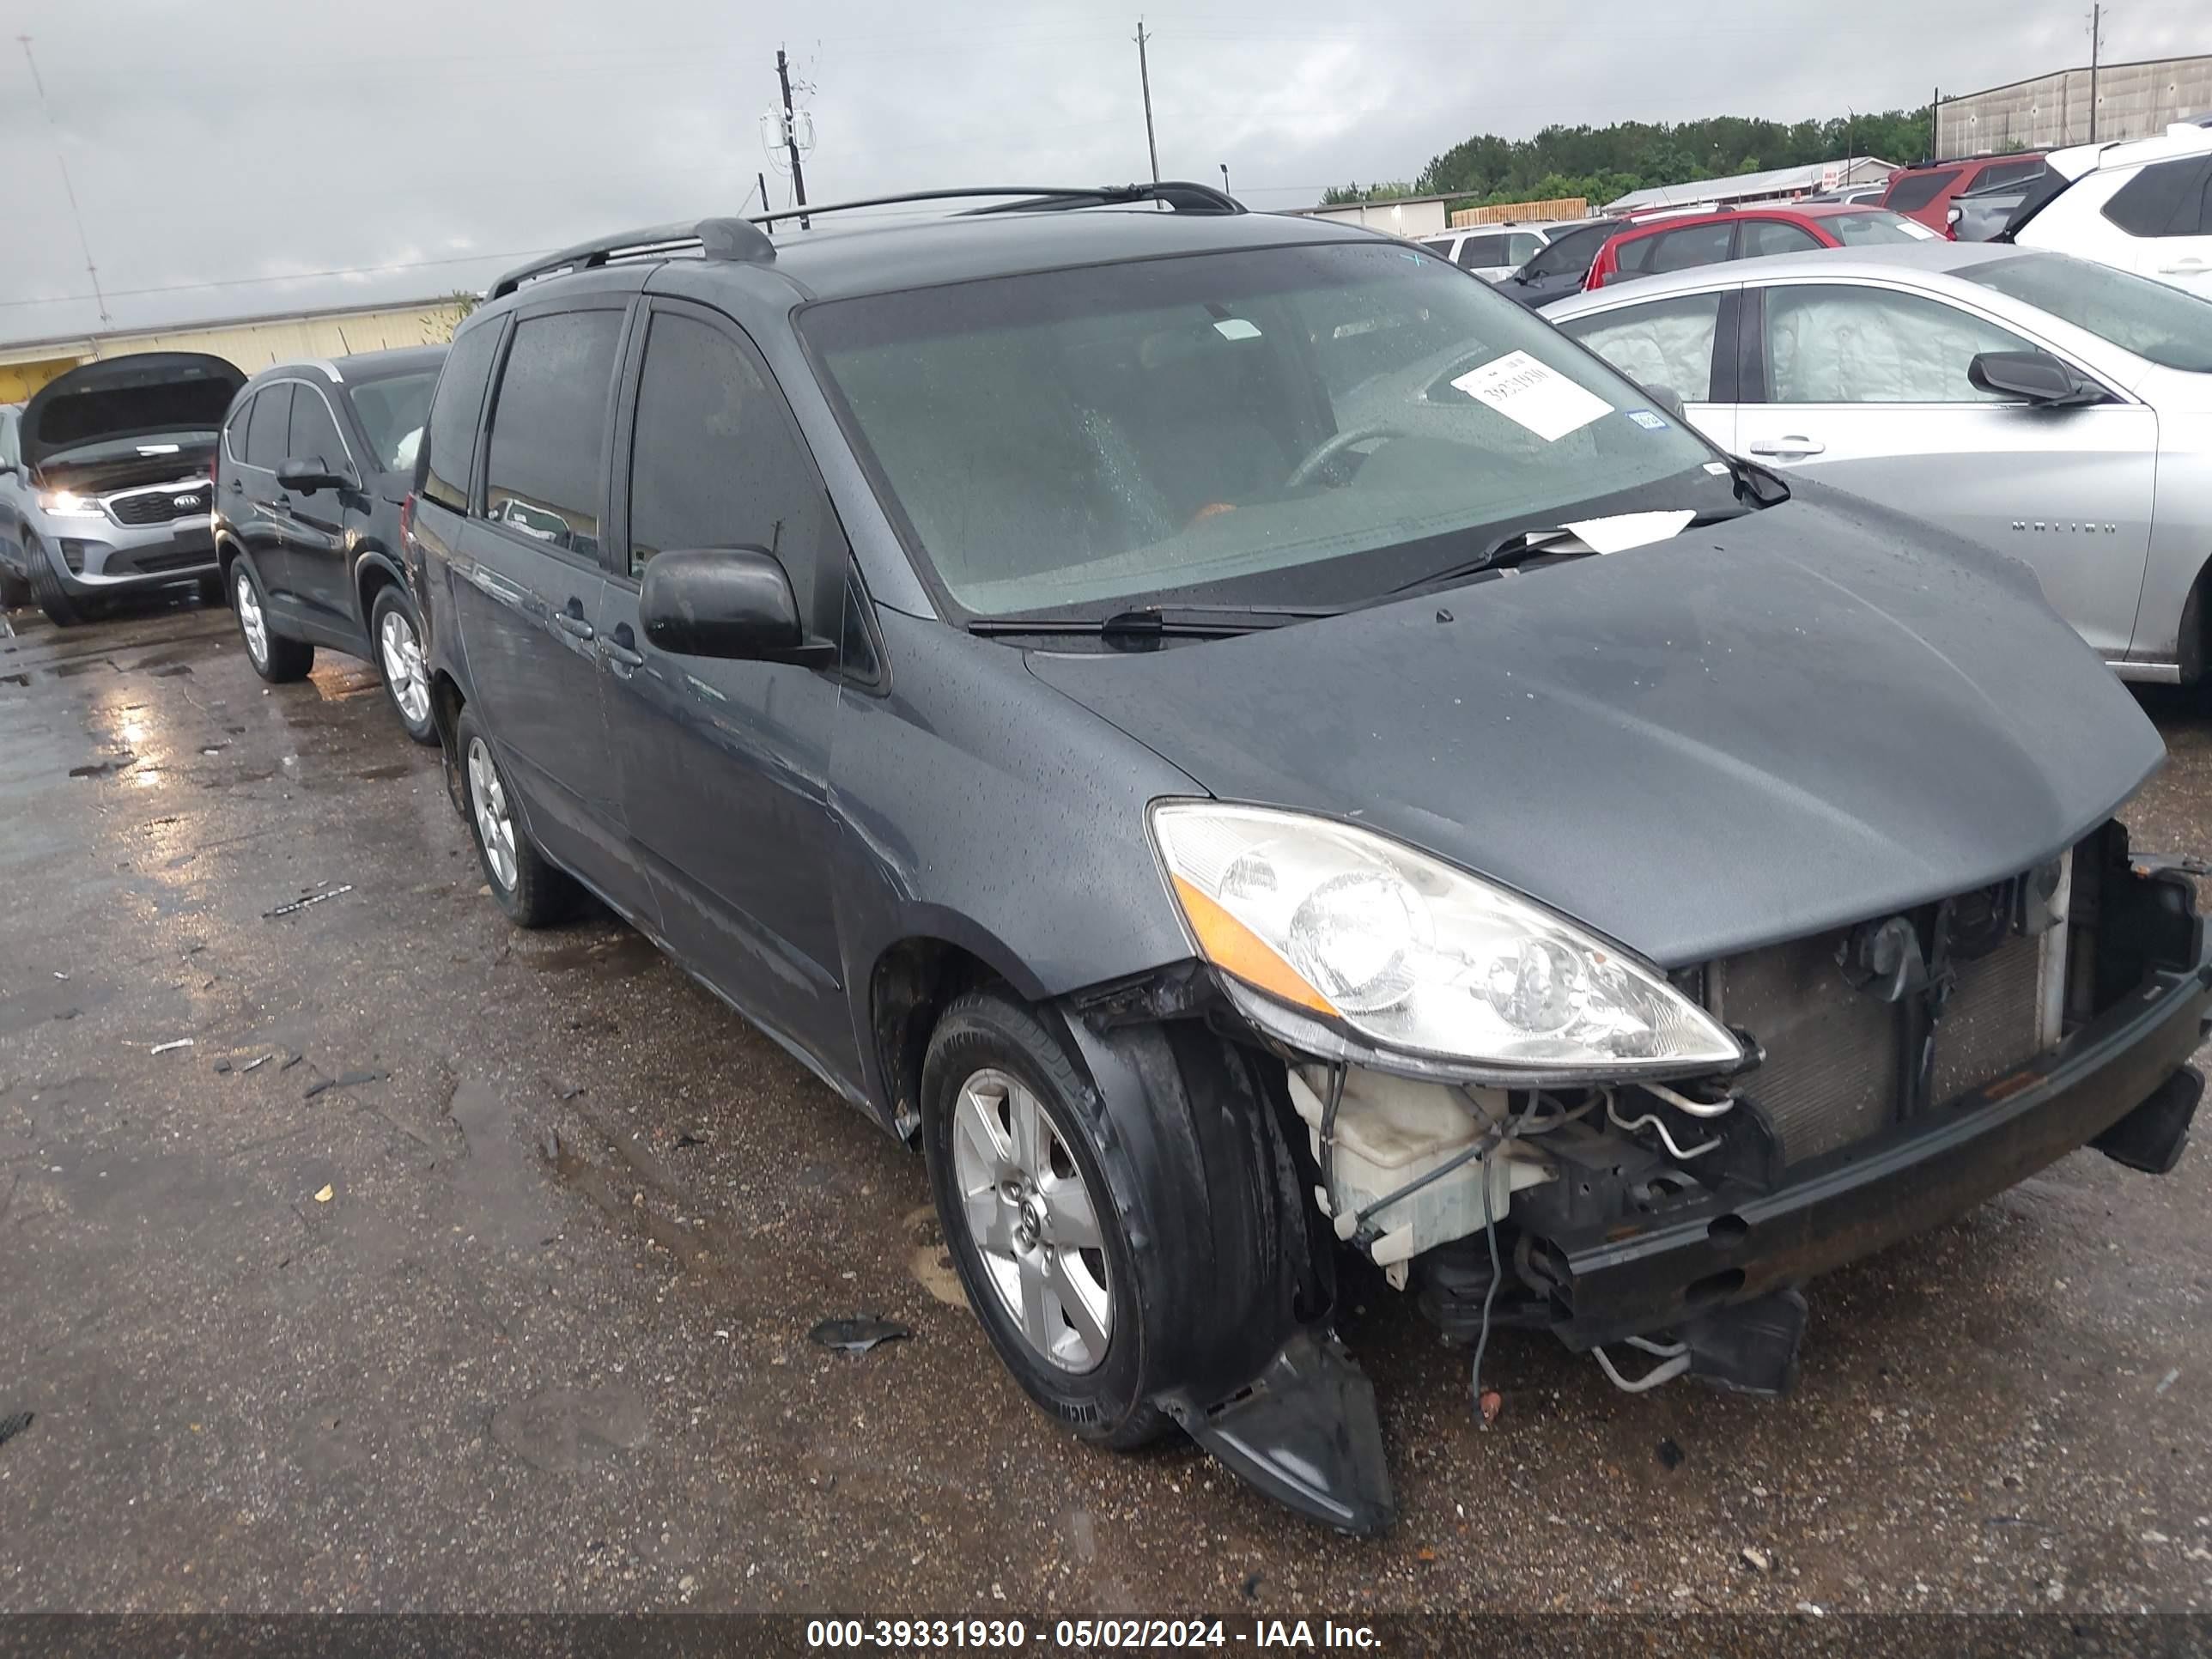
x=154, y=392
x=1807, y=717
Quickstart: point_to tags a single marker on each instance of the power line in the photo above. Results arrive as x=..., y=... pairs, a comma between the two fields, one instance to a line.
x=68, y=189
x=286, y=276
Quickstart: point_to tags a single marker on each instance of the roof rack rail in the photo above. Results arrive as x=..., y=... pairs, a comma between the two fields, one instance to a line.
x=1184, y=196
x=721, y=239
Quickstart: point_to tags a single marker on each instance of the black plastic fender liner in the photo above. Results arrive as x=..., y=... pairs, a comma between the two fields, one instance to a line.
x=1306, y=1434
x=1237, y=1273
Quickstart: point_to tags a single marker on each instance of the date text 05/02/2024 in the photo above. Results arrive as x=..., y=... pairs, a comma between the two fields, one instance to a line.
x=1087, y=1634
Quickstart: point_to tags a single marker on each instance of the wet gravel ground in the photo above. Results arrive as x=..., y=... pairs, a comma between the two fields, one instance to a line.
x=512, y=1315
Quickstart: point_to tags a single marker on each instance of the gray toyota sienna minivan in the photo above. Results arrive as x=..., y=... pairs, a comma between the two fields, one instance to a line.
x=1249, y=749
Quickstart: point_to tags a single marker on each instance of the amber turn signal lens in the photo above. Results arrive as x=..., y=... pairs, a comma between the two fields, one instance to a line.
x=1231, y=947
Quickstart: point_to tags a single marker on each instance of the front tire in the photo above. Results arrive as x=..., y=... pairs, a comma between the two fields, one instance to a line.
x=275, y=659
x=45, y=588
x=1031, y=1221
x=398, y=632
x=523, y=882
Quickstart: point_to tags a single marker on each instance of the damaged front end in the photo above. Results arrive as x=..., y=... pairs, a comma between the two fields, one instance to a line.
x=1882, y=1078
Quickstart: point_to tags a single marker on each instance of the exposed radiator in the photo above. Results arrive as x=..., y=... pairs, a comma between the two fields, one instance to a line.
x=1830, y=1073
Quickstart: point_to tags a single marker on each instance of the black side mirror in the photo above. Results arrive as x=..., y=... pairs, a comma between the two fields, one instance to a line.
x=308, y=474
x=2033, y=377
x=734, y=603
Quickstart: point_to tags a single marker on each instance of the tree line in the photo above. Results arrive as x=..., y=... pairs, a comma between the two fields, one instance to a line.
x=1602, y=163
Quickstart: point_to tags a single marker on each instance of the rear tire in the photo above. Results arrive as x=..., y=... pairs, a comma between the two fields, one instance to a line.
x=1031, y=1221
x=45, y=588
x=397, y=633
x=523, y=882
x=275, y=659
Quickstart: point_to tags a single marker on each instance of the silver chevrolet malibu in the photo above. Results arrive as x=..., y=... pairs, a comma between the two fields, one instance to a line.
x=2054, y=410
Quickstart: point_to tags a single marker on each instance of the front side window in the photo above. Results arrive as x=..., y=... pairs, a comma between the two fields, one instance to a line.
x=1309, y=424
x=1871, y=345
x=2165, y=198
x=447, y=454
x=715, y=459
x=1571, y=254
x=2168, y=325
x=1479, y=253
x=315, y=433
x=269, y=435
x=1664, y=344
x=1764, y=236
x=1912, y=191
x=545, y=460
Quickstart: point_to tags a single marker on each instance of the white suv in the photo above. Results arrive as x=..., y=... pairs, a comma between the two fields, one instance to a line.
x=2144, y=206
x=1490, y=251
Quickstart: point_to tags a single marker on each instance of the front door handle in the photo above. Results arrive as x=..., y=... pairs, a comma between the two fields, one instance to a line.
x=571, y=620
x=1788, y=448
x=618, y=651
x=2183, y=268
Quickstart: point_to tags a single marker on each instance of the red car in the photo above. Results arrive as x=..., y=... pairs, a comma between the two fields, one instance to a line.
x=1924, y=192
x=1678, y=242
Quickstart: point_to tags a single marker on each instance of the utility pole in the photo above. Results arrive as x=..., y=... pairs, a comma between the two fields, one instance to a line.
x=791, y=137
x=2096, y=41
x=1145, y=75
x=1935, y=125
x=76, y=213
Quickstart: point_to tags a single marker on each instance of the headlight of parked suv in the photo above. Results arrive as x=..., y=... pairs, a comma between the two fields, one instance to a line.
x=68, y=504
x=1415, y=957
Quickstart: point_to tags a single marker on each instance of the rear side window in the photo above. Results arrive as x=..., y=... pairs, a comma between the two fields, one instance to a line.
x=714, y=458
x=1521, y=247
x=2003, y=175
x=1666, y=345
x=1480, y=251
x=2165, y=198
x=1764, y=236
x=270, y=428
x=1874, y=228
x=1692, y=246
x=548, y=452
x=234, y=436
x=1908, y=190
x=449, y=440
x=315, y=433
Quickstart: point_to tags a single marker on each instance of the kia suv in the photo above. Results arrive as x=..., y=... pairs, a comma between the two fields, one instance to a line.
x=1247, y=748
x=104, y=481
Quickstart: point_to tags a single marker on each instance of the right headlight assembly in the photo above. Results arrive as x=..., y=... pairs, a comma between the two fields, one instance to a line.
x=1406, y=953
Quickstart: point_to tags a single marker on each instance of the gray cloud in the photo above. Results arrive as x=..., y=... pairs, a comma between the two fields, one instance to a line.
x=225, y=157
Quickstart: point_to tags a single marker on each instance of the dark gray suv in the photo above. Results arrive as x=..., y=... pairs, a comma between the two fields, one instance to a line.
x=1253, y=750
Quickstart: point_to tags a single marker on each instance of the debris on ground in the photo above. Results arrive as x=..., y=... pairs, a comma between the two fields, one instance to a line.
x=59, y=975
x=1758, y=1559
x=101, y=769
x=858, y=1334
x=290, y=1061
x=305, y=900
x=326, y=1195
x=252, y=1065
x=223, y=1065
x=687, y=1138
x=1490, y=1404
x=68, y=1013
x=316, y=1088
x=164, y=1047
x=1670, y=1454
x=2168, y=1380
x=14, y=1424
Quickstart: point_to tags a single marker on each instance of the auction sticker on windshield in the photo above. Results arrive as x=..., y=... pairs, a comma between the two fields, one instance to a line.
x=1540, y=398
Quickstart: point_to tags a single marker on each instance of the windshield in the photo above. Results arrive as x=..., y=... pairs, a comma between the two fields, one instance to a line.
x=392, y=412
x=2172, y=328
x=1286, y=425
x=1874, y=228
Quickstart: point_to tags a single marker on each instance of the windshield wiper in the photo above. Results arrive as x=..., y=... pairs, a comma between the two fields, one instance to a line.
x=1503, y=554
x=1158, y=621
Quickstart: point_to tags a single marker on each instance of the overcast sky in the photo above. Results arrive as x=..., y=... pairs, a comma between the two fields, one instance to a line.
x=246, y=157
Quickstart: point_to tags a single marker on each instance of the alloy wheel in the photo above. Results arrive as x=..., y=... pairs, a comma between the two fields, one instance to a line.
x=251, y=622
x=495, y=823
x=403, y=669
x=1032, y=1220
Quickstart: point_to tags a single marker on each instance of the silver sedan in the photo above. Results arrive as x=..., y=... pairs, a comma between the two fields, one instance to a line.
x=2056, y=410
